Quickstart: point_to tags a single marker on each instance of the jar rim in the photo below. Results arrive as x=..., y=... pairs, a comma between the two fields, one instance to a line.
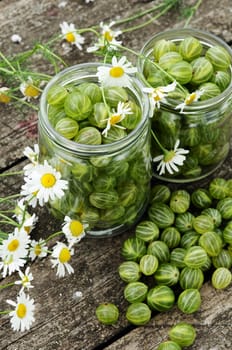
x=136, y=88
x=179, y=34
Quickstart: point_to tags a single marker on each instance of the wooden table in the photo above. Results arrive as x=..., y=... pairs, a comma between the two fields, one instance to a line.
x=62, y=321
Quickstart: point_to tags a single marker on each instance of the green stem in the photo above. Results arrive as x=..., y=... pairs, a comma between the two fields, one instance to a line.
x=138, y=15
x=7, y=285
x=13, y=196
x=12, y=173
x=161, y=13
x=53, y=235
x=193, y=10
x=25, y=102
x=7, y=62
x=5, y=312
x=158, y=143
x=8, y=220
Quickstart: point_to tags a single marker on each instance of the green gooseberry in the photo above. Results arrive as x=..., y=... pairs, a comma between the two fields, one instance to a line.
x=163, y=46
x=189, y=301
x=221, y=278
x=218, y=188
x=56, y=95
x=107, y=313
x=183, y=334
x=169, y=345
x=77, y=105
x=211, y=242
x=133, y=249
x=89, y=136
x=203, y=223
x=67, y=127
x=114, y=95
x=168, y=59
x=209, y=90
x=219, y=57
x=180, y=201
x=190, y=48
x=99, y=116
x=113, y=135
x=92, y=90
x=135, y=292
x=138, y=314
x=129, y=271
x=147, y=231
x=181, y=72
x=202, y=70
x=132, y=120
x=184, y=222
x=148, y=264
x=222, y=79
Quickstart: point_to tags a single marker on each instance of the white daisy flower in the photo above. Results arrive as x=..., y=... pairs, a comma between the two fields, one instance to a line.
x=44, y=184
x=88, y=1
x=38, y=249
x=61, y=256
x=25, y=279
x=117, y=116
x=10, y=264
x=117, y=75
x=193, y=97
x=74, y=230
x=107, y=38
x=4, y=95
x=29, y=89
x=156, y=95
x=33, y=156
x=16, y=38
x=22, y=316
x=170, y=159
x=15, y=246
x=29, y=222
x=70, y=34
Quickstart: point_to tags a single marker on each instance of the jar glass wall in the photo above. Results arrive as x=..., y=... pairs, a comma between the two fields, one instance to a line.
x=108, y=182
x=204, y=126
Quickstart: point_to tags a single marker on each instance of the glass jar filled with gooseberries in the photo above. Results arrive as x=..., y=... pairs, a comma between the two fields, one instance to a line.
x=189, y=74
x=107, y=164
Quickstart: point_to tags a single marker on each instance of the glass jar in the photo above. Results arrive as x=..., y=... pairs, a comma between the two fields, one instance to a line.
x=108, y=183
x=202, y=127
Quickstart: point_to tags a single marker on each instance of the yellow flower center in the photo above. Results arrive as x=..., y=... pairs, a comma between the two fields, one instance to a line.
x=116, y=72
x=65, y=255
x=115, y=119
x=76, y=228
x=31, y=91
x=13, y=245
x=108, y=36
x=48, y=180
x=25, y=280
x=27, y=229
x=169, y=156
x=37, y=249
x=21, y=310
x=4, y=98
x=191, y=98
x=70, y=37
